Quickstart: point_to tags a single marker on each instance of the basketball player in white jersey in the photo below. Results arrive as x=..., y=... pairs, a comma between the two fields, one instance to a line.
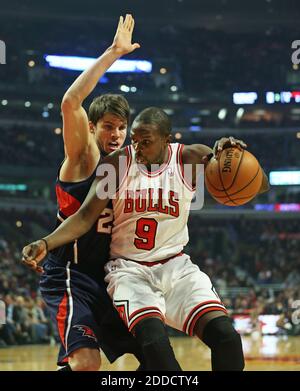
x=151, y=281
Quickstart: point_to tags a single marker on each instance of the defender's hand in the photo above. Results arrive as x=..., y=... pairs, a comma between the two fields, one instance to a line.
x=122, y=40
x=33, y=254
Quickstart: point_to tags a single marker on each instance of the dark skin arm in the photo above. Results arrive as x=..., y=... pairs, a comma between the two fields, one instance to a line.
x=196, y=154
x=79, y=223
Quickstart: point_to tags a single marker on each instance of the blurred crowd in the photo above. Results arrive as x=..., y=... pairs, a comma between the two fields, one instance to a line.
x=42, y=147
x=260, y=257
x=27, y=322
x=247, y=252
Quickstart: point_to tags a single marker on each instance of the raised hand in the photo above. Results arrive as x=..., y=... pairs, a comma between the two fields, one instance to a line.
x=122, y=40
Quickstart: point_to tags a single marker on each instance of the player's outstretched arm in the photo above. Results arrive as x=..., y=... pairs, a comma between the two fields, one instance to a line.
x=75, y=121
x=82, y=221
x=200, y=153
x=72, y=228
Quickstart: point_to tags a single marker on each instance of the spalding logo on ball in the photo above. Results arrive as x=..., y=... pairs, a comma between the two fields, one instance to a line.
x=235, y=178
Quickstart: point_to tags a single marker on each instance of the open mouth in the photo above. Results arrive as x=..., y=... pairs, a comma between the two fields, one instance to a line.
x=113, y=145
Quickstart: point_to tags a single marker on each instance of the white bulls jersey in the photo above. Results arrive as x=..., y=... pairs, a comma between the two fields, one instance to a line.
x=151, y=210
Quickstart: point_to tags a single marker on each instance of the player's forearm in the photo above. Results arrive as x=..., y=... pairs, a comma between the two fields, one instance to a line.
x=72, y=228
x=87, y=81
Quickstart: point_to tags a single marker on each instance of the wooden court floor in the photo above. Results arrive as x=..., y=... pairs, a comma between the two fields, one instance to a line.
x=268, y=353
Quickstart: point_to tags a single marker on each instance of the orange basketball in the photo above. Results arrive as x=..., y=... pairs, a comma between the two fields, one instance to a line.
x=235, y=178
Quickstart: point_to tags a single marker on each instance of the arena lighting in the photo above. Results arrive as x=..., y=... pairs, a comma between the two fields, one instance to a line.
x=278, y=207
x=13, y=187
x=264, y=207
x=240, y=113
x=284, y=178
x=244, y=324
x=287, y=207
x=283, y=97
x=168, y=111
x=81, y=63
x=244, y=98
x=195, y=128
x=222, y=114
x=124, y=88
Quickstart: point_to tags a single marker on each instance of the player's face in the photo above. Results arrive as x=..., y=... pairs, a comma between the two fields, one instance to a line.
x=149, y=144
x=110, y=132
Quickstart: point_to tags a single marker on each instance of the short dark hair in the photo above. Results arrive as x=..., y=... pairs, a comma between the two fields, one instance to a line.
x=155, y=116
x=109, y=103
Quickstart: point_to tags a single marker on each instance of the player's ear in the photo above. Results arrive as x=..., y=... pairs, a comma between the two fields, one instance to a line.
x=169, y=139
x=92, y=127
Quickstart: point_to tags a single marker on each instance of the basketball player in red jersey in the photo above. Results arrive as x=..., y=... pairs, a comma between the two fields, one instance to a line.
x=150, y=279
x=72, y=283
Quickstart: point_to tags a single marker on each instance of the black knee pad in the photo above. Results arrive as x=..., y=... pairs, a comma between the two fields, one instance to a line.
x=225, y=344
x=152, y=336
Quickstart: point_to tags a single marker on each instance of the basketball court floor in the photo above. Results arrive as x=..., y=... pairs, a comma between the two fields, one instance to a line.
x=267, y=353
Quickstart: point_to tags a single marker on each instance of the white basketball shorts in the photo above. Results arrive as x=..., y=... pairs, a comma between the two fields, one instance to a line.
x=176, y=291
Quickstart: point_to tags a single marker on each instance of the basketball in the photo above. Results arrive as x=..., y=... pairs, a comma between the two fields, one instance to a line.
x=235, y=178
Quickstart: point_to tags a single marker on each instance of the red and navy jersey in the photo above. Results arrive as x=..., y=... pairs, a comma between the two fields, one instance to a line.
x=89, y=253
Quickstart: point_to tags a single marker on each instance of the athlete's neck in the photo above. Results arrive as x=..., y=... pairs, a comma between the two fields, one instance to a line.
x=160, y=161
x=103, y=153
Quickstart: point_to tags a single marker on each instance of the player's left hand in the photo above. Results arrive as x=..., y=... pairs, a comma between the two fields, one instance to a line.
x=33, y=254
x=227, y=142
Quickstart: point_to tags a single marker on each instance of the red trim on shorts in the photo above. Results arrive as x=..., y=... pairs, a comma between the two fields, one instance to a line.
x=162, y=261
x=197, y=316
x=61, y=318
x=149, y=315
x=142, y=310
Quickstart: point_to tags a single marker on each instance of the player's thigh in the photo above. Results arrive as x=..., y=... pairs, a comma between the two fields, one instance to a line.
x=133, y=294
x=191, y=298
